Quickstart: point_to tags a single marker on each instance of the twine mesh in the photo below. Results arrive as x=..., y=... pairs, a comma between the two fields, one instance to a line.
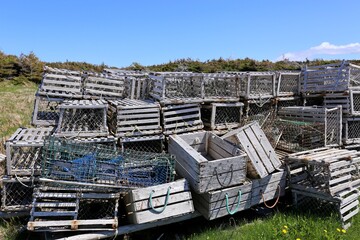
x=16, y=195
x=333, y=127
x=97, y=209
x=152, y=146
x=356, y=102
x=353, y=130
x=47, y=110
x=182, y=87
x=220, y=87
x=25, y=158
x=82, y=120
x=289, y=83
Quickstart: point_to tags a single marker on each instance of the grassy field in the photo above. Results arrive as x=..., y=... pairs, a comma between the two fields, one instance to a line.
x=16, y=104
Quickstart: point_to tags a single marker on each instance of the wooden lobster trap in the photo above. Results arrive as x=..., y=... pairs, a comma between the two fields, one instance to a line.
x=181, y=118
x=207, y=161
x=333, y=100
x=103, y=86
x=229, y=201
x=16, y=194
x=61, y=83
x=287, y=83
x=69, y=210
x=46, y=111
x=82, y=118
x=304, y=128
x=159, y=202
x=257, y=85
x=23, y=151
x=352, y=130
x=222, y=116
x=220, y=87
x=328, y=176
x=130, y=117
x=176, y=88
x=336, y=77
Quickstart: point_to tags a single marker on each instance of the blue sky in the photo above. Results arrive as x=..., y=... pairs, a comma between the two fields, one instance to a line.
x=119, y=33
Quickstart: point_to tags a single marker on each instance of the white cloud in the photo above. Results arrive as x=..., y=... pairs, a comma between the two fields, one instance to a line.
x=324, y=48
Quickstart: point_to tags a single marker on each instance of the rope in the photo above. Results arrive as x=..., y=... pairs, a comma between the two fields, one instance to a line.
x=165, y=204
x=237, y=205
x=217, y=176
x=277, y=200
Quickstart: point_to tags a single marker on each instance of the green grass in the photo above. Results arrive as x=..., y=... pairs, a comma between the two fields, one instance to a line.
x=16, y=106
x=283, y=225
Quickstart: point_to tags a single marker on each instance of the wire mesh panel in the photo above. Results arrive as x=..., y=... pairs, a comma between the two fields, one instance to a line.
x=68, y=210
x=304, y=128
x=130, y=117
x=104, y=86
x=23, y=151
x=153, y=144
x=16, y=193
x=355, y=101
x=352, y=130
x=83, y=118
x=46, y=111
x=287, y=84
x=61, y=83
x=181, y=118
x=174, y=88
x=326, y=78
x=257, y=85
x=222, y=116
x=220, y=87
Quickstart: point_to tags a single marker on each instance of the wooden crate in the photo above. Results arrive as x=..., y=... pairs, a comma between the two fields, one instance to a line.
x=159, y=202
x=130, y=118
x=222, y=116
x=137, y=86
x=327, y=170
x=16, y=194
x=23, y=151
x=153, y=143
x=103, y=86
x=207, y=161
x=181, y=118
x=257, y=85
x=220, y=87
x=176, y=88
x=287, y=83
x=82, y=118
x=282, y=102
x=228, y=201
x=73, y=210
x=46, y=111
x=326, y=78
x=262, y=156
x=61, y=83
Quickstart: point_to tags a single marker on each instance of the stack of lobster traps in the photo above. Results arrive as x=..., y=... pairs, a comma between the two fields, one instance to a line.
x=122, y=150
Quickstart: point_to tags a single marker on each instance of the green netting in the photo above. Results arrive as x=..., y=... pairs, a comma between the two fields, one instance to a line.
x=69, y=160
